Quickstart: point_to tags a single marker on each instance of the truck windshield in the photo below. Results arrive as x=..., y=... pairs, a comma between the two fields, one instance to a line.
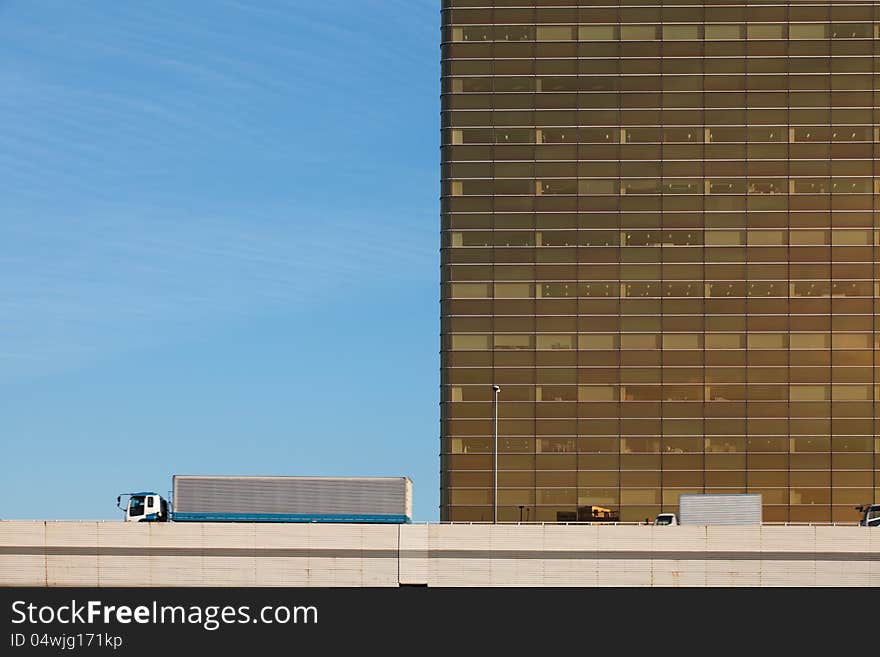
x=664, y=520
x=136, y=506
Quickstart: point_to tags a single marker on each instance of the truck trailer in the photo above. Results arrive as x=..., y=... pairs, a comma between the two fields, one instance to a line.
x=212, y=498
x=739, y=509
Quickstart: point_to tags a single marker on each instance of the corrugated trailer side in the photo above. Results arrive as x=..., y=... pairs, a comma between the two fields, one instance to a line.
x=211, y=498
x=740, y=509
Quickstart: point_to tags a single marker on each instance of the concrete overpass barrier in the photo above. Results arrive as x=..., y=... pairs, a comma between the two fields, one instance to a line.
x=61, y=553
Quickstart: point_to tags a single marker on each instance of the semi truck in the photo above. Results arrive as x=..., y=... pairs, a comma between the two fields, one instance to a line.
x=212, y=498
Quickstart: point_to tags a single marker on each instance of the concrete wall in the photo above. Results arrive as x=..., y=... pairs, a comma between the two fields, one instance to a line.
x=54, y=553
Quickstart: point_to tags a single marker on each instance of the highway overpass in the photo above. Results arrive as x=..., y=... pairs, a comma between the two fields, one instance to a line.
x=61, y=553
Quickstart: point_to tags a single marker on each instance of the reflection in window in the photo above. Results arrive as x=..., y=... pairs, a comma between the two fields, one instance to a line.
x=514, y=33
x=557, y=290
x=599, y=237
x=841, y=237
x=725, y=393
x=852, y=289
x=810, y=340
x=640, y=393
x=725, y=237
x=471, y=445
x=850, y=133
x=850, y=185
x=556, y=135
x=469, y=290
x=682, y=340
x=642, y=135
x=767, y=289
x=513, y=290
x=844, y=392
x=724, y=341
x=725, y=445
x=852, y=340
x=767, y=186
x=682, y=393
x=514, y=136
x=554, y=341
x=724, y=32
x=512, y=341
x=511, y=85
x=682, y=135
x=462, y=342
x=681, y=32
x=477, y=33
x=811, y=289
x=471, y=85
x=809, y=237
x=638, y=32
x=682, y=187
x=512, y=238
x=639, y=445
x=597, y=33
x=757, y=134
x=597, y=341
x=640, y=187
x=728, y=186
x=809, y=393
x=556, y=238
x=660, y=238
x=556, y=393
x=555, y=187
x=592, y=186
x=727, y=135
x=766, y=31
x=851, y=31
x=555, y=33
x=515, y=445
x=767, y=340
x=807, y=31
x=692, y=289
x=810, y=444
x=598, y=135
x=639, y=341
x=597, y=393
x=566, y=84
x=556, y=445
x=598, y=289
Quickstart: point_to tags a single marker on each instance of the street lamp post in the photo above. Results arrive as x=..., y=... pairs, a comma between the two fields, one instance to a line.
x=495, y=390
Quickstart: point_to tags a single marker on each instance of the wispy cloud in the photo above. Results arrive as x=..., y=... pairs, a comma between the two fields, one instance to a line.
x=168, y=165
x=106, y=283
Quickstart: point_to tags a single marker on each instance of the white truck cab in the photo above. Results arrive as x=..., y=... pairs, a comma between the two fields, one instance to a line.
x=665, y=519
x=870, y=515
x=144, y=507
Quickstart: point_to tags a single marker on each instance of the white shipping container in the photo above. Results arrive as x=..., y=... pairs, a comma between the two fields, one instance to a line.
x=719, y=509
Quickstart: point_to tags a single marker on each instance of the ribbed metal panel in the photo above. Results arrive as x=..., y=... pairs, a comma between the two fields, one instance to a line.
x=720, y=509
x=353, y=496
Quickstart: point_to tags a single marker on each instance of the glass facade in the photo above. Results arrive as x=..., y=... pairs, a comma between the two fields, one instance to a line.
x=660, y=234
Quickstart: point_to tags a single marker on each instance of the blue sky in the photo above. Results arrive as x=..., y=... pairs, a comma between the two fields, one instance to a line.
x=218, y=245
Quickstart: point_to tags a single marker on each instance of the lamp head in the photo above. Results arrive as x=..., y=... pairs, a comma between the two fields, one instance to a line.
x=496, y=388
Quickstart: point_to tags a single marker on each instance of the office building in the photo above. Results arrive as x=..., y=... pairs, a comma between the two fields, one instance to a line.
x=660, y=239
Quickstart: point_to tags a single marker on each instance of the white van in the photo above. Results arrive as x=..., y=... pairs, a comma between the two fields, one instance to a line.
x=666, y=519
